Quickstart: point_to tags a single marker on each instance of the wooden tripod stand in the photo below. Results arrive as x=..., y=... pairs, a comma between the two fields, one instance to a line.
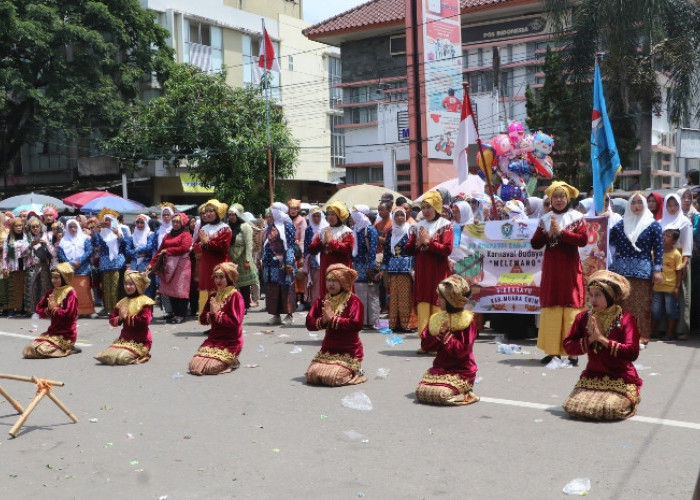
x=43, y=388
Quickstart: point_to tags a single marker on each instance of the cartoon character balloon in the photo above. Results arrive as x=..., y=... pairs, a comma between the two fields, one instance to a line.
x=542, y=147
x=502, y=145
x=515, y=132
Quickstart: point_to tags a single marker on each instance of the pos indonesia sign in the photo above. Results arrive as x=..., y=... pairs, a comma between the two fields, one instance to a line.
x=442, y=74
x=505, y=271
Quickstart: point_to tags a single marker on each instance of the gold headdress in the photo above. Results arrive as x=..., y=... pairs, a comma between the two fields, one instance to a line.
x=229, y=269
x=455, y=290
x=65, y=270
x=343, y=274
x=219, y=208
x=339, y=208
x=570, y=191
x=434, y=199
x=616, y=286
x=107, y=211
x=140, y=280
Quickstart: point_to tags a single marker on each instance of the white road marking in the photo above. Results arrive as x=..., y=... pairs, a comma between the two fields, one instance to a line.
x=538, y=406
x=32, y=337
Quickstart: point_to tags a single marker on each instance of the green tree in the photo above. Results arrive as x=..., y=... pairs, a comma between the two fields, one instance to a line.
x=639, y=38
x=560, y=111
x=215, y=131
x=72, y=66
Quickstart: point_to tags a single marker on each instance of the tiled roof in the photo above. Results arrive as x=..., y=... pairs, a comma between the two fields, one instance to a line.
x=368, y=14
x=378, y=12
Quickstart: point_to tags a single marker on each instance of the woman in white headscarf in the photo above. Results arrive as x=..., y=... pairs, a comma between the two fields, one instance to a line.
x=638, y=256
x=364, y=259
x=143, y=246
x=111, y=243
x=534, y=207
x=167, y=210
x=462, y=214
x=515, y=210
x=76, y=249
x=673, y=218
x=278, y=264
x=312, y=263
x=399, y=266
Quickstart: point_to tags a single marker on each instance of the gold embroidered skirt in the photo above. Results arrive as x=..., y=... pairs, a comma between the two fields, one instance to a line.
x=448, y=389
x=602, y=399
x=124, y=352
x=334, y=370
x=212, y=361
x=48, y=346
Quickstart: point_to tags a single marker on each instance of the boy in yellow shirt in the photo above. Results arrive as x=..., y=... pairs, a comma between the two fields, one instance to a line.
x=665, y=299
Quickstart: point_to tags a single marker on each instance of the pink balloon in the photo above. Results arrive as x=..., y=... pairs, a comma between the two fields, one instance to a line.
x=501, y=143
x=515, y=132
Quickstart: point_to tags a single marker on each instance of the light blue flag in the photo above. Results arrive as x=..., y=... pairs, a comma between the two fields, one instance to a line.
x=605, y=160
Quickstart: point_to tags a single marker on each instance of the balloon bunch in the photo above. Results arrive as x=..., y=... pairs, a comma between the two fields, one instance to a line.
x=515, y=157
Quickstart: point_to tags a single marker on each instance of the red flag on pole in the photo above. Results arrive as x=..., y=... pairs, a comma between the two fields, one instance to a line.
x=267, y=59
x=465, y=136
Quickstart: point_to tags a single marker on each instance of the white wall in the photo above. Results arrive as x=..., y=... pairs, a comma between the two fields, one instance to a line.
x=305, y=98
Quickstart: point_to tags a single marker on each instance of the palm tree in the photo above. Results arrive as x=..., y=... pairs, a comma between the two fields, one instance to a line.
x=650, y=46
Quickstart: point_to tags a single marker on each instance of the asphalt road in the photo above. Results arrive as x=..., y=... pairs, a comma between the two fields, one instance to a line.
x=153, y=431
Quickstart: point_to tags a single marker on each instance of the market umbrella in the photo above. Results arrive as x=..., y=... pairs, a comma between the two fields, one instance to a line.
x=114, y=202
x=77, y=200
x=30, y=207
x=25, y=199
x=362, y=194
x=473, y=184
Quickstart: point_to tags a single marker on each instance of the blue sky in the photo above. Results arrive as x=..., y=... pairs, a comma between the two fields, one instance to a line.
x=319, y=10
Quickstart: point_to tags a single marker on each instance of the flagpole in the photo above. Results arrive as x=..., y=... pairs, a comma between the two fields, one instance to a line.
x=465, y=97
x=266, y=82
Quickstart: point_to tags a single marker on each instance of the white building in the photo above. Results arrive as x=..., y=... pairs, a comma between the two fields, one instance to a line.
x=218, y=34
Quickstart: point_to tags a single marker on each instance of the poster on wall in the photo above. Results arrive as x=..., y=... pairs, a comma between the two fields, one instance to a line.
x=496, y=258
x=442, y=63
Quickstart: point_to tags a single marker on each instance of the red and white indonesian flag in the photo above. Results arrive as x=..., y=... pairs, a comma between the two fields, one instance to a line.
x=465, y=137
x=267, y=60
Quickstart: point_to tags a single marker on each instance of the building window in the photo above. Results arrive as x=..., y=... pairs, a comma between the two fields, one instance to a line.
x=337, y=142
x=365, y=94
x=480, y=82
x=290, y=60
x=480, y=57
x=397, y=45
x=465, y=59
x=334, y=78
x=203, y=45
x=363, y=114
x=507, y=82
x=361, y=175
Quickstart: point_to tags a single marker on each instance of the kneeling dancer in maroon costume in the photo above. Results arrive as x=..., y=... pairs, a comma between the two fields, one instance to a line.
x=609, y=386
x=451, y=333
x=341, y=314
x=223, y=312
